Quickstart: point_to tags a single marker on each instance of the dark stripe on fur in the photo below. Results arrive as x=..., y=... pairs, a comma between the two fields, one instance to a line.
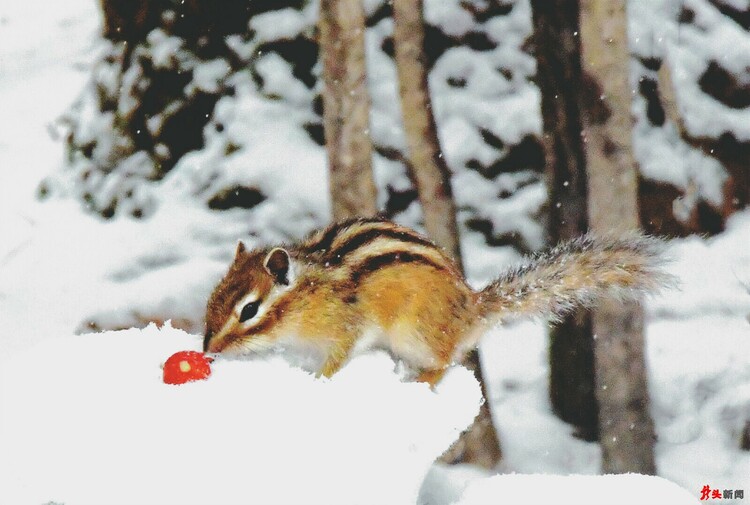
x=337, y=255
x=323, y=244
x=375, y=263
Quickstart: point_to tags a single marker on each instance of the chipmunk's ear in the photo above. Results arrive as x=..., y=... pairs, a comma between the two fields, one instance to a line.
x=240, y=249
x=279, y=265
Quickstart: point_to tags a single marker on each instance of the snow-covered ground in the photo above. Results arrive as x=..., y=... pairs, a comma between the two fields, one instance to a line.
x=62, y=269
x=89, y=421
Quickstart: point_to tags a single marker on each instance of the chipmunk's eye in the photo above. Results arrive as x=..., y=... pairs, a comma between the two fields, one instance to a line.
x=249, y=311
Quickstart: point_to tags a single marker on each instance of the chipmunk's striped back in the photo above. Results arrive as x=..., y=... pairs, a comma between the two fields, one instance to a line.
x=363, y=276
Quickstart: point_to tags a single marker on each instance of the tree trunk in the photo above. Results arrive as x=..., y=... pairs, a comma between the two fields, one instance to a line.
x=479, y=445
x=431, y=173
x=346, y=108
x=626, y=428
x=558, y=54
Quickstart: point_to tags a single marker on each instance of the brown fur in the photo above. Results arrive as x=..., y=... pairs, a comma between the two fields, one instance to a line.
x=374, y=276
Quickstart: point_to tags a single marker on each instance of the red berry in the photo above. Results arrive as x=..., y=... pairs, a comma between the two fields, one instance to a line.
x=186, y=366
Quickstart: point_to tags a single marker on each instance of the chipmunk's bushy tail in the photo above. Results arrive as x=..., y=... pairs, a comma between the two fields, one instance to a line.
x=577, y=274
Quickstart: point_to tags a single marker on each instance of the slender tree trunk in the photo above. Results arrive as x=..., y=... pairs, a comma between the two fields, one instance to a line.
x=430, y=170
x=558, y=54
x=479, y=445
x=626, y=428
x=346, y=108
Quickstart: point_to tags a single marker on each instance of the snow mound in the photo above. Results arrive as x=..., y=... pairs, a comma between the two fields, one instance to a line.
x=87, y=420
x=575, y=490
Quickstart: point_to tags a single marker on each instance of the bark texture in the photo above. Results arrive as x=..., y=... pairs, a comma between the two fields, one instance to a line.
x=346, y=108
x=558, y=54
x=626, y=428
x=479, y=444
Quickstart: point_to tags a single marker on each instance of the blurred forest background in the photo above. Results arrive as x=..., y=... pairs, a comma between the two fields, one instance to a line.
x=498, y=127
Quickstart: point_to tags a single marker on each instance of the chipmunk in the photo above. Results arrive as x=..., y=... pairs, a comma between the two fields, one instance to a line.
x=371, y=282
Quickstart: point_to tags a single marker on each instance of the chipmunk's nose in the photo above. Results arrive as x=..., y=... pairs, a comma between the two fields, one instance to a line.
x=207, y=340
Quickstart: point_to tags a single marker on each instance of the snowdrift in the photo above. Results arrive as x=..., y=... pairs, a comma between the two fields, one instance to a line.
x=87, y=420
